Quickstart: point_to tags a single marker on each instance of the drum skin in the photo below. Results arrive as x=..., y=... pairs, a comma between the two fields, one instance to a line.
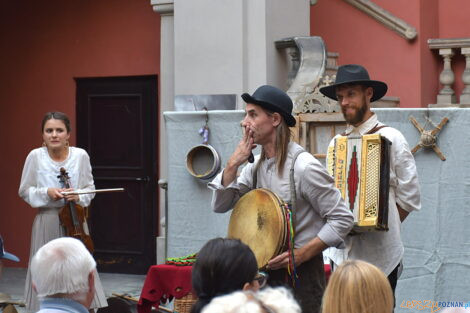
x=258, y=220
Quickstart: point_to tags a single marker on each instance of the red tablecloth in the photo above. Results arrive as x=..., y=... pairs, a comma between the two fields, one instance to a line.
x=164, y=282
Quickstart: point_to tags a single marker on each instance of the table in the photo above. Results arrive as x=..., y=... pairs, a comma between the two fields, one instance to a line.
x=164, y=282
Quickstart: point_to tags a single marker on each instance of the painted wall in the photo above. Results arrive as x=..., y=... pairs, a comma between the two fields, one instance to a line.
x=410, y=68
x=44, y=46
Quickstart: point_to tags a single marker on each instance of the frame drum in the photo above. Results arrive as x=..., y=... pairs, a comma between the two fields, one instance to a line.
x=258, y=220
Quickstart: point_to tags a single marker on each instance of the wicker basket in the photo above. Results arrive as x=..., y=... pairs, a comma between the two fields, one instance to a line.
x=184, y=304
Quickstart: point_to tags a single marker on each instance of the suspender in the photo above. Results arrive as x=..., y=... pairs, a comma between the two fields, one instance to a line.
x=293, y=194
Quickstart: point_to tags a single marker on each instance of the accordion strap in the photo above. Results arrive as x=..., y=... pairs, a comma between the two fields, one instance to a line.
x=375, y=129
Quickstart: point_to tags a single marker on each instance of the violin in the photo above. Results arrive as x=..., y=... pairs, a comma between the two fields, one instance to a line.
x=73, y=217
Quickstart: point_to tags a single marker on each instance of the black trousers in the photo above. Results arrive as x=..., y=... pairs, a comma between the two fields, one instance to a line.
x=393, y=278
x=310, y=285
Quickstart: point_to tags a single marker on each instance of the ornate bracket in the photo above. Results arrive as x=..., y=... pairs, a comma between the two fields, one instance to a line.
x=314, y=101
x=428, y=138
x=307, y=74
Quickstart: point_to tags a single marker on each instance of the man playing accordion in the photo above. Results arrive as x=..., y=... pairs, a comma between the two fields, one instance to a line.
x=354, y=91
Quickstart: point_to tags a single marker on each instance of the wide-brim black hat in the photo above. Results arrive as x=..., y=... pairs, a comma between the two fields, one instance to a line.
x=355, y=74
x=272, y=99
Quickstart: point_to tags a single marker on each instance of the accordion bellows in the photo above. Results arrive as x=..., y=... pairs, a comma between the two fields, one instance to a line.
x=361, y=170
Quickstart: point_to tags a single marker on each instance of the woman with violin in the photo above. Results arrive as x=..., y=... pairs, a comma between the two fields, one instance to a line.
x=42, y=185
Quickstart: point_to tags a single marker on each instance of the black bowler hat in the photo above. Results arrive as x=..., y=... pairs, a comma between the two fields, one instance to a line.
x=272, y=99
x=355, y=74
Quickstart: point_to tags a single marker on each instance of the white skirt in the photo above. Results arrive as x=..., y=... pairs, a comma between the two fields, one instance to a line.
x=46, y=227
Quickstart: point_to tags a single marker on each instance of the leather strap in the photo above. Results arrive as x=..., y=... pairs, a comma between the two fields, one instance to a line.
x=293, y=194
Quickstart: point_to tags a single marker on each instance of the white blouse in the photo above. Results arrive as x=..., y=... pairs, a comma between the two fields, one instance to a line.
x=40, y=173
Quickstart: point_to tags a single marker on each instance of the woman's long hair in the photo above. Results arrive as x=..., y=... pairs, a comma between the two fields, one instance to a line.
x=222, y=266
x=283, y=136
x=358, y=287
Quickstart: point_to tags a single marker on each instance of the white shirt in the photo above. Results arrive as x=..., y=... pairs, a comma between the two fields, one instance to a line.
x=40, y=173
x=385, y=249
x=320, y=210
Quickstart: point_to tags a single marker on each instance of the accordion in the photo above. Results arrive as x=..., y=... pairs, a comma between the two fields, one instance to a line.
x=361, y=170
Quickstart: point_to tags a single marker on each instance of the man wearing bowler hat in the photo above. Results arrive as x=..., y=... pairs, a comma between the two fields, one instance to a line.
x=354, y=91
x=321, y=218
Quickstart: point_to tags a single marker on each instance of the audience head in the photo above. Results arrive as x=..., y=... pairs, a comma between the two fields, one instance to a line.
x=64, y=268
x=269, y=300
x=358, y=287
x=222, y=266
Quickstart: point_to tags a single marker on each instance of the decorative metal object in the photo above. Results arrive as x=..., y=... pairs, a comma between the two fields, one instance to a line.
x=428, y=138
x=313, y=101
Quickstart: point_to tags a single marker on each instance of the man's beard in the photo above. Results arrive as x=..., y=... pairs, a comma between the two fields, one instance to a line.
x=359, y=116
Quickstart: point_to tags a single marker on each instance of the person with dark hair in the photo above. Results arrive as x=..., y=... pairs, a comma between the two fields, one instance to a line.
x=41, y=189
x=320, y=219
x=223, y=266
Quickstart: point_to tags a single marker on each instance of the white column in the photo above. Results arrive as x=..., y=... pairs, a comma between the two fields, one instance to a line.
x=465, y=96
x=446, y=94
x=167, y=96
